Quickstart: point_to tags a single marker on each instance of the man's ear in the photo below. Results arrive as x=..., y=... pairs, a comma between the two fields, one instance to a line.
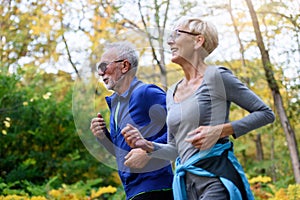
x=199, y=41
x=126, y=66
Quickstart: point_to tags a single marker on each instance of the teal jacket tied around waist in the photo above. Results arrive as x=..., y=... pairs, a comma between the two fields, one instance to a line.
x=179, y=186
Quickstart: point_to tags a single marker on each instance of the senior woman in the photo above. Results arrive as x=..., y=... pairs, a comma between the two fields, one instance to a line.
x=198, y=119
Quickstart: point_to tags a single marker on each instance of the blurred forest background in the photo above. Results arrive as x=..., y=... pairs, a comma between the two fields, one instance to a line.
x=49, y=90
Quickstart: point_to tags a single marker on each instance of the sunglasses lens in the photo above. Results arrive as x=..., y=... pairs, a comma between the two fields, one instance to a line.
x=102, y=67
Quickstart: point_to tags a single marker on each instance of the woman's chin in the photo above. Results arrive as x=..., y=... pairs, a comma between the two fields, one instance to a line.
x=176, y=59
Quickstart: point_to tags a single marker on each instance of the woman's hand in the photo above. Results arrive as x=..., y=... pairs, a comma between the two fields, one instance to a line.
x=204, y=137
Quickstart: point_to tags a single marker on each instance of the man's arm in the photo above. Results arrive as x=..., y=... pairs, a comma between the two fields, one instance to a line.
x=100, y=131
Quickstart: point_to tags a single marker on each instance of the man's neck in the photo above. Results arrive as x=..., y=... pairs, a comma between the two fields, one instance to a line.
x=123, y=84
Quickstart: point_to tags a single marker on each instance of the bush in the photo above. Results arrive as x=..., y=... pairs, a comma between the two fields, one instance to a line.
x=38, y=135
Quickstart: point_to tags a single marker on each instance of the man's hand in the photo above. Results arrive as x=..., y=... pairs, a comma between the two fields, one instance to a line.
x=98, y=126
x=135, y=139
x=136, y=158
x=132, y=136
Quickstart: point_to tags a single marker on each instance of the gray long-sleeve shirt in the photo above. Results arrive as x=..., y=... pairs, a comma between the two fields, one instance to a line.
x=210, y=105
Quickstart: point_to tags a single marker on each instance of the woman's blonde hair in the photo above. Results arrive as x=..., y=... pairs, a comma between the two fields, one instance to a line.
x=204, y=28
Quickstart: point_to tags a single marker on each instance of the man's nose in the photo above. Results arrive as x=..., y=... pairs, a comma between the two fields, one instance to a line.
x=100, y=73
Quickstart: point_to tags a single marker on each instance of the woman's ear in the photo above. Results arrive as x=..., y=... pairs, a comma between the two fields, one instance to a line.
x=199, y=41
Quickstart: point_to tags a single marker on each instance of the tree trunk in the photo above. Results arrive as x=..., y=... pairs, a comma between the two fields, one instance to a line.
x=274, y=165
x=159, y=56
x=259, y=148
x=242, y=48
x=289, y=132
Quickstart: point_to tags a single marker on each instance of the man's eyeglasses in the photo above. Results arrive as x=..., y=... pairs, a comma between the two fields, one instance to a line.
x=103, y=66
x=176, y=33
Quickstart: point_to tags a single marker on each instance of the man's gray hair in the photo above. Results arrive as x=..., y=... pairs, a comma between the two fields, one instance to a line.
x=124, y=50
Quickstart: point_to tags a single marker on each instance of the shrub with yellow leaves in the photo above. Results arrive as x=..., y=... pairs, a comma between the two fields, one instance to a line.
x=65, y=194
x=293, y=191
x=290, y=193
x=260, y=188
x=7, y=124
x=260, y=179
x=103, y=190
x=17, y=197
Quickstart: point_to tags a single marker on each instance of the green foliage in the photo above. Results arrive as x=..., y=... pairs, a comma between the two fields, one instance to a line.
x=81, y=190
x=22, y=188
x=40, y=139
x=40, y=148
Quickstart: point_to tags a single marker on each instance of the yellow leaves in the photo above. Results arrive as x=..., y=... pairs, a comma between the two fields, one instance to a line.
x=102, y=26
x=292, y=192
x=260, y=182
x=30, y=161
x=7, y=119
x=13, y=197
x=17, y=197
x=103, y=23
x=115, y=178
x=56, y=193
x=62, y=193
x=257, y=185
x=260, y=179
x=40, y=25
x=38, y=198
x=47, y=95
x=25, y=103
x=280, y=194
x=103, y=190
x=7, y=124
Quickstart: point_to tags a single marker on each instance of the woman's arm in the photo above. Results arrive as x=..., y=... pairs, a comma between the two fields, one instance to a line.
x=259, y=113
x=134, y=139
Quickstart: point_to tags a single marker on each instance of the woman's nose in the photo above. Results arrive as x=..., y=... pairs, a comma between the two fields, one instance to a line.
x=170, y=41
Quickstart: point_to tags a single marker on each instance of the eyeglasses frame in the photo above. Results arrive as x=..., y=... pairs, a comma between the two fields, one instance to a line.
x=182, y=31
x=107, y=64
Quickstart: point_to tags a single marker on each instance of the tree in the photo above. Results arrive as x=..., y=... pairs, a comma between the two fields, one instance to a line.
x=149, y=29
x=273, y=85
